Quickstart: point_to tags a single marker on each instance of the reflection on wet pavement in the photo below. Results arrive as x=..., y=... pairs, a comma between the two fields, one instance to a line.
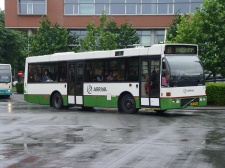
x=39, y=136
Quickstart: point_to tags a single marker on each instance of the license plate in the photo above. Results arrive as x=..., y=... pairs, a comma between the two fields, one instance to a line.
x=194, y=103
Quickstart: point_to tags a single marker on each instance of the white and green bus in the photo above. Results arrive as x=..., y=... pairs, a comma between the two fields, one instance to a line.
x=5, y=80
x=160, y=77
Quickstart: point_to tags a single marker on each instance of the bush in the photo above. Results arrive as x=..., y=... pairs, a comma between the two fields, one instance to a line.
x=215, y=94
x=19, y=87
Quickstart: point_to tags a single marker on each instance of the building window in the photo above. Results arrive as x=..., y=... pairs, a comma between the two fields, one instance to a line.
x=86, y=7
x=133, y=7
x=165, y=6
x=71, y=7
x=183, y=6
x=80, y=33
x=32, y=7
x=159, y=36
x=195, y=4
x=149, y=7
x=129, y=7
x=101, y=5
x=117, y=7
x=145, y=37
x=148, y=37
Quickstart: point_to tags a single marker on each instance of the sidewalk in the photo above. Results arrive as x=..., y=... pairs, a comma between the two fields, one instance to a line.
x=17, y=97
x=207, y=108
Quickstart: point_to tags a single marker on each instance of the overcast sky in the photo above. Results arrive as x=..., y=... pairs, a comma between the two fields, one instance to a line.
x=2, y=4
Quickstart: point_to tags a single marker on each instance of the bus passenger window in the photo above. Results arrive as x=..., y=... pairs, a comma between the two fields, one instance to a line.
x=37, y=75
x=62, y=79
x=46, y=76
x=100, y=76
x=164, y=78
x=110, y=77
x=133, y=76
x=90, y=76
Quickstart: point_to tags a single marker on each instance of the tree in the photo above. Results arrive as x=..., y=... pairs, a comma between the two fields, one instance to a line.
x=206, y=27
x=172, y=31
x=127, y=36
x=108, y=36
x=50, y=38
x=13, y=46
x=98, y=38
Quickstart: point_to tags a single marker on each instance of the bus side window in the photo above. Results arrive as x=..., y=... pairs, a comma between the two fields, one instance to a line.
x=63, y=77
x=46, y=76
x=37, y=75
x=62, y=72
x=164, y=79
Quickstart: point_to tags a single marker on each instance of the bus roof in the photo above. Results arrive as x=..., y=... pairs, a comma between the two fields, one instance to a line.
x=156, y=49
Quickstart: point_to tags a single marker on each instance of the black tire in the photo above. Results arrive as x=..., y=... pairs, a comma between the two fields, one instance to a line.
x=160, y=112
x=57, y=101
x=66, y=107
x=87, y=108
x=128, y=105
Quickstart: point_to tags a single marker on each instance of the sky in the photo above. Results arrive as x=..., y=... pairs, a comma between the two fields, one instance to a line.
x=2, y=4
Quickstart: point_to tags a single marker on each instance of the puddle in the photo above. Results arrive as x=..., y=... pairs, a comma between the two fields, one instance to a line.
x=73, y=138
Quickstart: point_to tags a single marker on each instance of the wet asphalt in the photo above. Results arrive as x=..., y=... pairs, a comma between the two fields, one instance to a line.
x=36, y=136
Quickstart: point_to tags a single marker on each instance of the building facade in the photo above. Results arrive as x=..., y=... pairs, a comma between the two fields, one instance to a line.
x=150, y=18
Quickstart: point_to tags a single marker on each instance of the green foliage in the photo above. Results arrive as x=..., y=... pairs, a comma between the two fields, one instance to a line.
x=108, y=36
x=127, y=36
x=206, y=27
x=2, y=19
x=172, y=31
x=50, y=38
x=215, y=94
x=13, y=46
x=20, y=87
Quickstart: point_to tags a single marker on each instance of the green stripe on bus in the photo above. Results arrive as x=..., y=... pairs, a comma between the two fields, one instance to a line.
x=42, y=99
x=174, y=103
x=101, y=101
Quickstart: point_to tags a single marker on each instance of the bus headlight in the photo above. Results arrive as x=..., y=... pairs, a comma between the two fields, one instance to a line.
x=202, y=99
x=176, y=101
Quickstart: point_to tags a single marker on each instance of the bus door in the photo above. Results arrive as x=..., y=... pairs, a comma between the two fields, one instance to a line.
x=75, y=83
x=150, y=82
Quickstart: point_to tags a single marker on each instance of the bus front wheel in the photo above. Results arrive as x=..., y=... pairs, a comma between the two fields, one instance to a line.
x=160, y=112
x=57, y=101
x=127, y=104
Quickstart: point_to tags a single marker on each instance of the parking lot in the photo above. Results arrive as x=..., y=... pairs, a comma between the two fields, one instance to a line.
x=39, y=136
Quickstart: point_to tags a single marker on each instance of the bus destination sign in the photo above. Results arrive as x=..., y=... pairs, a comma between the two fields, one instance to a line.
x=180, y=49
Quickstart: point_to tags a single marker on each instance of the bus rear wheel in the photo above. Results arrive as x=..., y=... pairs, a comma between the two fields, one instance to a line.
x=57, y=101
x=160, y=112
x=128, y=105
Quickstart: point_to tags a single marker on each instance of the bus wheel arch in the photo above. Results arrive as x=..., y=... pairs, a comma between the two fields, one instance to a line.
x=56, y=100
x=127, y=103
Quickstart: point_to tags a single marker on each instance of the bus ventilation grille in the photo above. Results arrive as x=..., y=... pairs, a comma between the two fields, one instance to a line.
x=186, y=102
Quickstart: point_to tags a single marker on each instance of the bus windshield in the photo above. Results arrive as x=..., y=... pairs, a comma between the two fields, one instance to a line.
x=5, y=76
x=185, y=70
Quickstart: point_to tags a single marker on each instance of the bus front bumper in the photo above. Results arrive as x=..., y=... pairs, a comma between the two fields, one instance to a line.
x=4, y=92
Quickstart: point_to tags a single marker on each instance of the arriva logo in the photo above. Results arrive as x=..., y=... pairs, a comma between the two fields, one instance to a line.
x=188, y=90
x=89, y=89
